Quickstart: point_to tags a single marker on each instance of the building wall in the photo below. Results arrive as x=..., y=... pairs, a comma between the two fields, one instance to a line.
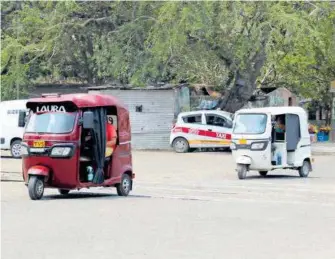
x=150, y=128
x=278, y=97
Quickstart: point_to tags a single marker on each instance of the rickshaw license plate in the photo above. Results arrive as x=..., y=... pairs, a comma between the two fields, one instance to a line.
x=242, y=141
x=39, y=143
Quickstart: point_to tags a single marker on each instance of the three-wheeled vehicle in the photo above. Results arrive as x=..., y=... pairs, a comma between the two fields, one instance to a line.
x=264, y=139
x=64, y=144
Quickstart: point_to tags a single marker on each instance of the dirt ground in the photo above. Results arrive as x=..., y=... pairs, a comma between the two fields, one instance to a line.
x=182, y=206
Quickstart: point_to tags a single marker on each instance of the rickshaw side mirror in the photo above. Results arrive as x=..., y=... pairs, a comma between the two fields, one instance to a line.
x=88, y=120
x=22, y=119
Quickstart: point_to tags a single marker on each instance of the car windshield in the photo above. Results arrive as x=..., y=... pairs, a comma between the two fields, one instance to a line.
x=53, y=122
x=250, y=124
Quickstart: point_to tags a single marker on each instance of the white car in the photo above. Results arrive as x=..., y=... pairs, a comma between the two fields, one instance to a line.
x=201, y=129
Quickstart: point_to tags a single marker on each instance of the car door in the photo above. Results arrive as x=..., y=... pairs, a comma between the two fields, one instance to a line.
x=194, y=129
x=218, y=130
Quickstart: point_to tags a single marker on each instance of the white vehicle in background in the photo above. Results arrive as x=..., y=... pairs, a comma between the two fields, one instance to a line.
x=201, y=129
x=265, y=139
x=10, y=133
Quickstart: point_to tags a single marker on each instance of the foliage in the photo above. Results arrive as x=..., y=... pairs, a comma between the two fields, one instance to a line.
x=306, y=61
x=235, y=46
x=326, y=129
x=312, y=129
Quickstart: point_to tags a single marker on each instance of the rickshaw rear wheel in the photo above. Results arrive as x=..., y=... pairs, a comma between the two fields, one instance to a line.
x=123, y=188
x=36, y=187
x=242, y=171
x=63, y=191
x=263, y=173
x=304, y=169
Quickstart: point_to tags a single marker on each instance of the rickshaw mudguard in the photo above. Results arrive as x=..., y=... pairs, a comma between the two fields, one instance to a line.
x=39, y=170
x=244, y=160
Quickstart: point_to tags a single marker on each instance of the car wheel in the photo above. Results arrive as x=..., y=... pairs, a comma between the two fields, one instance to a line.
x=35, y=187
x=180, y=145
x=242, y=171
x=305, y=169
x=263, y=173
x=15, y=148
x=63, y=191
x=123, y=188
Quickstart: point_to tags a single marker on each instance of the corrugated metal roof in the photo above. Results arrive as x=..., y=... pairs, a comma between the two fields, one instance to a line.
x=128, y=87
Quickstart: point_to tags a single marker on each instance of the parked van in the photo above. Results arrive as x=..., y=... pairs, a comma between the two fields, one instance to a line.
x=10, y=133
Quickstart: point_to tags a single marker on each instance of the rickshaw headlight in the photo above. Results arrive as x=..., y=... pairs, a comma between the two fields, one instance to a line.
x=257, y=146
x=61, y=151
x=232, y=146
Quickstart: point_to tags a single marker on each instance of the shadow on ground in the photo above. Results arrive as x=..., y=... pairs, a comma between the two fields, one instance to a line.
x=9, y=157
x=73, y=196
x=278, y=176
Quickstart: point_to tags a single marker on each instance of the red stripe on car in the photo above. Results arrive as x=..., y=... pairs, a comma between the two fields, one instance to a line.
x=207, y=133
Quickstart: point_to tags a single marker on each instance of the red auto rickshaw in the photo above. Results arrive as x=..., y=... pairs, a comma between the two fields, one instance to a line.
x=55, y=150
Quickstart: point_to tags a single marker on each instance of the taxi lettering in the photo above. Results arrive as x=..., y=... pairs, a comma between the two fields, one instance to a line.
x=193, y=131
x=220, y=135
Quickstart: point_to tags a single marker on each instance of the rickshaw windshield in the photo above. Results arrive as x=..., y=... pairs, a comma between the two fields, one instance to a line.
x=51, y=122
x=250, y=123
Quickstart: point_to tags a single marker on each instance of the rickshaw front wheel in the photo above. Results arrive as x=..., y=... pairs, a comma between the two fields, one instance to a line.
x=35, y=187
x=242, y=171
x=63, y=191
x=305, y=169
x=123, y=188
x=263, y=173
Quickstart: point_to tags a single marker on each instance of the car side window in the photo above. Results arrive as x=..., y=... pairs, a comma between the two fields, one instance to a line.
x=194, y=119
x=218, y=121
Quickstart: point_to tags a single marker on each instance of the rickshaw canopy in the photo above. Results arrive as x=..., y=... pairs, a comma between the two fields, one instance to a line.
x=276, y=110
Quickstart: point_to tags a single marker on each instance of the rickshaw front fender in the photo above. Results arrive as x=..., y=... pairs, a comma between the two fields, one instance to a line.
x=39, y=170
x=243, y=160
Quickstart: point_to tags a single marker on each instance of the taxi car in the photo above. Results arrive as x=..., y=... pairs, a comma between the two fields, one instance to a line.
x=201, y=129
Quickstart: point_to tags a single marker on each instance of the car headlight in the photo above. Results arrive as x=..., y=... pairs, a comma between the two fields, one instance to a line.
x=24, y=150
x=61, y=151
x=259, y=145
x=232, y=146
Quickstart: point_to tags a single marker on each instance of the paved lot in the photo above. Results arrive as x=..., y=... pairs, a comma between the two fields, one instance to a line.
x=183, y=206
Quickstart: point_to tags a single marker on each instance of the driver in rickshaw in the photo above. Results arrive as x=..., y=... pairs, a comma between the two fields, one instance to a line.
x=111, y=137
x=279, y=125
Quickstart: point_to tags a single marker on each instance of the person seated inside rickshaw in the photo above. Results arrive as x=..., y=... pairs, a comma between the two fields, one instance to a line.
x=279, y=128
x=87, y=140
x=111, y=137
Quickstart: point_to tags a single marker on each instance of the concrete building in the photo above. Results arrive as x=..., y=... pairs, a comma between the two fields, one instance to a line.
x=152, y=111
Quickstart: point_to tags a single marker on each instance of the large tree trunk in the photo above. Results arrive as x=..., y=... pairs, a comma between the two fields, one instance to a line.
x=244, y=84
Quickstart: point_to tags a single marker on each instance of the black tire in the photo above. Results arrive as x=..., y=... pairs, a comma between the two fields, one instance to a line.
x=305, y=169
x=124, y=188
x=63, y=191
x=15, y=148
x=180, y=145
x=263, y=173
x=242, y=171
x=35, y=187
